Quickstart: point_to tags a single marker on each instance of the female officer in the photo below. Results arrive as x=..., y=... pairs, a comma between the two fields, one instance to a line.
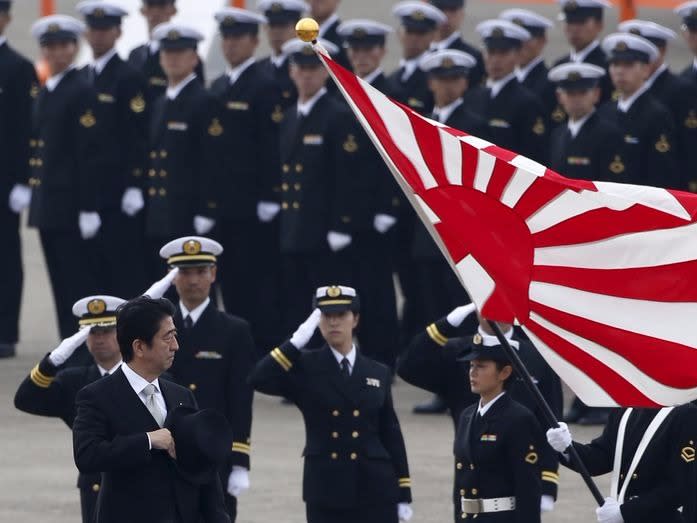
x=497, y=445
x=355, y=460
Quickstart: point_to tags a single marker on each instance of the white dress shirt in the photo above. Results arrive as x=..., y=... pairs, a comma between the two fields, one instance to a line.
x=410, y=65
x=351, y=357
x=580, y=56
x=100, y=63
x=483, y=410
x=104, y=371
x=3, y=39
x=443, y=113
x=625, y=104
x=324, y=26
x=523, y=72
x=235, y=73
x=304, y=108
x=446, y=42
x=138, y=383
x=53, y=81
x=658, y=72
x=278, y=59
x=497, y=85
x=575, y=126
x=173, y=92
x=196, y=313
x=370, y=77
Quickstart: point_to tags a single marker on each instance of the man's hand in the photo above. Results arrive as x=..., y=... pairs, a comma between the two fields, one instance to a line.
x=89, y=223
x=546, y=503
x=383, y=222
x=404, y=511
x=132, y=201
x=60, y=354
x=610, y=512
x=560, y=438
x=203, y=225
x=338, y=240
x=20, y=198
x=458, y=315
x=238, y=481
x=162, y=439
x=267, y=211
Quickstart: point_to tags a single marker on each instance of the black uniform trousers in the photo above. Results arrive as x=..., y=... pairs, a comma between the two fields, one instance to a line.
x=88, y=504
x=377, y=514
x=11, y=276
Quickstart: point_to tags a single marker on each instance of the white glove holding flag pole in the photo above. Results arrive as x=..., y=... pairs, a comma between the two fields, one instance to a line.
x=546, y=503
x=20, y=198
x=383, y=222
x=302, y=336
x=338, y=240
x=89, y=223
x=610, y=512
x=158, y=289
x=458, y=315
x=267, y=211
x=560, y=438
x=60, y=354
x=203, y=225
x=404, y=511
x=238, y=481
x=132, y=201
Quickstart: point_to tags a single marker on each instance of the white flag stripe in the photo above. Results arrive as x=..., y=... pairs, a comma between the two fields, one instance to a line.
x=519, y=183
x=485, y=168
x=478, y=284
x=399, y=127
x=475, y=142
x=658, y=247
x=432, y=216
x=452, y=157
x=665, y=321
x=655, y=391
x=587, y=390
x=653, y=197
x=565, y=205
x=526, y=164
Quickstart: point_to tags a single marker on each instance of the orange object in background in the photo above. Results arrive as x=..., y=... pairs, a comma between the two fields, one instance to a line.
x=237, y=3
x=47, y=7
x=627, y=10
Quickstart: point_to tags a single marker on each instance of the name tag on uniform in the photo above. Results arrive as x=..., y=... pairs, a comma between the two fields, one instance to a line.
x=208, y=355
x=177, y=126
x=313, y=139
x=488, y=437
x=372, y=382
x=157, y=81
x=105, y=98
x=238, y=106
x=497, y=122
x=578, y=160
x=631, y=139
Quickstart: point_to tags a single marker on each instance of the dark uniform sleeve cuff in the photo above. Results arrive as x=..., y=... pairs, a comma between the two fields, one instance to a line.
x=44, y=373
x=241, y=452
x=550, y=483
x=405, y=490
x=285, y=355
x=441, y=331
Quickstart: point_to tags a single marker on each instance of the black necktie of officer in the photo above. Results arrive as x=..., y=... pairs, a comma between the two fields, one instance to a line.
x=188, y=322
x=345, y=368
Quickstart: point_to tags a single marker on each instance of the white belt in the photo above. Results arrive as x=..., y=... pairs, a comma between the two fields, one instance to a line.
x=478, y=506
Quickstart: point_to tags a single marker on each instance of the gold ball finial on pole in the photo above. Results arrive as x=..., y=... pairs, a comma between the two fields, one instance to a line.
x=307, y=29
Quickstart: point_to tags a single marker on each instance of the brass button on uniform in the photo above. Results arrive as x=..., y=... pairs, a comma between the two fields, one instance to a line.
x=475, y=492
x=163, y=173
x=356, y=413
x=635, y=476
x=334, y=455
x=297, y=186
x=462, y=492
x=163, y=192
x=152, y=173
x=41, y=143
x=163, y=154
x=152, y=191
x=354, y=456
x=153, y=155
x=296, y=205
x=192, y=386
x=335, y=413
x=284, y=205
x=335, y=435
x=286, y=167
x=471, y=466
x=95, y=487
x=354, y=434
x=464, y=516
x=284, y=187
x=32, y=143
x=298, y=168
x=458, y=466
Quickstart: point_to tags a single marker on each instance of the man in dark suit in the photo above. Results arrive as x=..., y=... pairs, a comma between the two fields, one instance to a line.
x=118, y=428
x=450, y=37
x=355, y=459
x=216, y=354
x=65, y=161
x=688, y=12
x=51, y=387
x=18, y=88
x=248, y=224
x=186, y=139
x=120, y=110
x=146, y=58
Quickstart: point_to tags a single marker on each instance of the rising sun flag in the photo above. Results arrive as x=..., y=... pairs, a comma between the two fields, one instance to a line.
x=601, y=276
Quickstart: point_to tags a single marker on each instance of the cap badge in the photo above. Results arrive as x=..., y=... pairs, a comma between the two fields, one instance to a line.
x=571, y=5
x=229, y=20
x=99, y=12
x=173, y=35
x=497, y=32
x=191, y=247
x=96, y=307
x=447, y=63
x=359, y=32
x=334, y=292
x=620, y=47
x=276, y=7
x=53, y=28
x=574, y=76
x=418, y=15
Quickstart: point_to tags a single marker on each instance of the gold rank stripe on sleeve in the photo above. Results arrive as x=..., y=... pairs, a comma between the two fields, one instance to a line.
x=550, y=476
x=405, y=482
x=281, y=359
x=242, y=448
x=435, y=334
x=39, y=378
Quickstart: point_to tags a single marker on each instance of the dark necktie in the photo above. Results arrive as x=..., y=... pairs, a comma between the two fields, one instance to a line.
x=188, y=322
x=345, y=369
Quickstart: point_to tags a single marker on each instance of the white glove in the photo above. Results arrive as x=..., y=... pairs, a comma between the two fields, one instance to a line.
x=20, y=197
x=560, y=438
x=203, y=225
x=404, y=511
x=238, y=481
x=456, y=316
x=132, y=201
x=157, y=290
x=338, y=240
x=302, y=335
x=610, y=512
x=89, y=223
x=267, y=211
x=546, y=503
x=383, y=222
x=60, y=354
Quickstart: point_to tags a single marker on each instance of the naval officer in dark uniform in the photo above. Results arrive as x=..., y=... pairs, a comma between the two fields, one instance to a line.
x=355, y=459
x=688, y=12
x=65, y=162
x=216, y=354
x=326, y=15
x=18, y=88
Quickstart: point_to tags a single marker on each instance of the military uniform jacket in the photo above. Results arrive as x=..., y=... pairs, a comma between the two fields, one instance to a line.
x=689, y=74
x=665, y=476
x=430, y=362
x=497, y=455
x=412, y=92
x=18, y=88
x=66, y=151
x=185, y=167
x=354, y=451
x=214, y=359
x=139, y=485
x=594, y=154
x=148, y=63
x=281, y=78
x=649, y=141
x=515, y=119
x=251, y=109
x=120, y=111
x=50, y=391
x=332, y=35
x=317, y=155
x=537, y=83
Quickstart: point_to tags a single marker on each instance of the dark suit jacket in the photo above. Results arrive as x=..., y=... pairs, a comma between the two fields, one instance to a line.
x=138, y=484
x=414, y=92
x=354, y=450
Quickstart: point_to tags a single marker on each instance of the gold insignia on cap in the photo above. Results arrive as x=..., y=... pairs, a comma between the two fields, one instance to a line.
x=418, y=15
x=663, y=145
x=88, y=120
x=333, y=291
x=571, y=5
x=96, y=307
x=174, y=35
x=688, y=454
x=573, y=76
x=539, y=127
x=620, y=47
x=307, y=50
x=215, y=129
x=53, y=28
x=617, y=166
x=138, y=104
x=531, y=457
x=477, y=339
x=99, y=12
x=359, y=32
x=518, y=21
x=191, y=247
x=691, y=120
x=276, y=7
x=447, y=63
x=229, y=20
x=350, y=145
x=635, y=31
x=497, y=32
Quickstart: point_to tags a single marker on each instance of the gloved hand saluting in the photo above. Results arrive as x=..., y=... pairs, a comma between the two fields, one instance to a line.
x=458, y=315
x=60, y=354
x=302, y=336
x=158, y=289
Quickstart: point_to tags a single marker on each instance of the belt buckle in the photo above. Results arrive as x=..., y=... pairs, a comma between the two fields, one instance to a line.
x=470, y=506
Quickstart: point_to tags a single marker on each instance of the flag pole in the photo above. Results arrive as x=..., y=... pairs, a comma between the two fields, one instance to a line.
x=522, y=371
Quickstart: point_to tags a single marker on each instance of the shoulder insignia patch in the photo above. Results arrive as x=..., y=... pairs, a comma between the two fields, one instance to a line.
x=539, y=127
x=617, y=166
x=531, y=457
x=663, y=145
x=691, y=120
x=88, y=120
x=137, y=104
x=688, y=454
x=350, y=145
x=215, y=129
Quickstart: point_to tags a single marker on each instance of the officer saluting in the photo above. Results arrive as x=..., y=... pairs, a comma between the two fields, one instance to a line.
x=587, y=147
x=66, y=166
x=216, y=354
x=355, y=460
x=18, y=88
x=120, y=110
